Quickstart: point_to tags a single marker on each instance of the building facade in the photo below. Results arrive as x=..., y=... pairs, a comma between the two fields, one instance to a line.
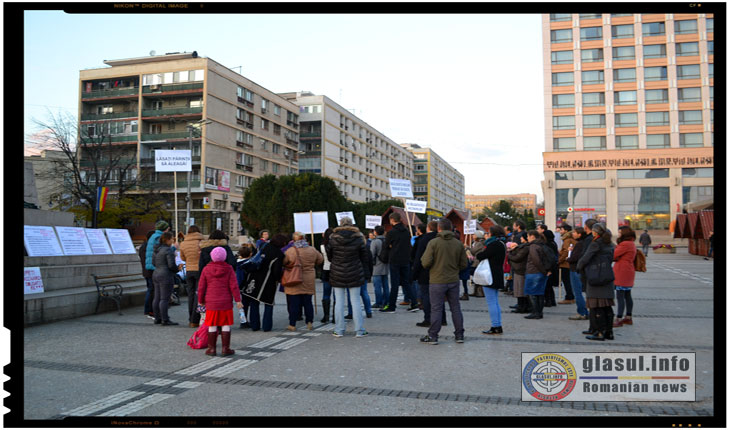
x=521, y=202
x=628, y=117
x=436, y=181
x=338, y=145
x=239, y=129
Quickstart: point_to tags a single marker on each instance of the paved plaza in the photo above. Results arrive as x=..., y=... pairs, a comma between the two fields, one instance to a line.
x=124, y=366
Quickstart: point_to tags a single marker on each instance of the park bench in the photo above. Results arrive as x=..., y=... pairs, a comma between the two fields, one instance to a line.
x=109, y=288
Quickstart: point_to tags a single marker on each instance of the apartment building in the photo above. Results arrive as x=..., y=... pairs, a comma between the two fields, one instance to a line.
x=521, y=202
x=240, y=130
x=436, y=181
x=338, y=145
x=628, y=117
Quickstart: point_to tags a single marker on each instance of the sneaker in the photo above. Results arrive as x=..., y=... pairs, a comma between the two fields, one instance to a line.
x=335, y=334
x=369, y=315
x=291, y=328
x=388, y=310
x=150, y=316
x=405, y=303
x=577, y=317
x=459, y=339
x=424, y=324
x=363, y=334
x=348, y=317
x=429, y=340
x=413, y=309
x=566, y=302
x=493, y=330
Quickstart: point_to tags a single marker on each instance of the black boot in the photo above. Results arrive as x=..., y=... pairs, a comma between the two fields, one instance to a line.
x=608, y=323
x=325, y=311
x=600, y=333
x=536, y=307
x=519, y=306
x=592, y=324
x=540, y=304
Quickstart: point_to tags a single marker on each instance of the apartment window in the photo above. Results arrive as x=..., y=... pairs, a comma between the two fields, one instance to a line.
x=277, y=129
x=656, y=96
x=563, y=100
x=702, y=172
x=561, y=36
x=655, y=51
x=592, y=77
x=265, y=124
x=655, y=73
x=687, y=49
x=264, y=105
x=274, y=168
x=712, y=94
x=710, y=70
x=277, y=110
x=594, y=121
x=563, y=122
x=264, y=165
x=710, y=47
x=560, y=17
x=642, y=173
x=564, y=144
x=561, y=57
x=614, y=15
x=627, y=120
x=653, y=29
x=591, y=33
x=689, y=140
x=624, y=97
x=690, y=117
x=594, y=143
x=622, y=31
x=710, y=25
x=624, y=75
x=624, y=53
x=275, y=148
x=562, y=79
x=685, y=26
x=591, y=55
x=657, y=141
x=594, y=99
x=589, y=15
x=690, y=71
x=627, y=142
x=689, y=94
x=654, y=119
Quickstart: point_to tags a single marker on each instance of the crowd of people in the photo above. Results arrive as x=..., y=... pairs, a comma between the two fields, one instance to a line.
x=430, y=265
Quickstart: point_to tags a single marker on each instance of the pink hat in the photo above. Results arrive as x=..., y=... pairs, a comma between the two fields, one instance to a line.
x=218, y=254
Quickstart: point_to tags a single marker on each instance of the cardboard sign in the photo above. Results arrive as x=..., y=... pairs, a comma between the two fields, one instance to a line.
x=32, y=282
x=470, y=226
x=416, y=206
x=73, y=240
x=173, y=160
x=341, y=215
x=120, y=241
x=303, y=225
x=372, y=221
x=97, y=241
x=41, y=241
x=400, y=188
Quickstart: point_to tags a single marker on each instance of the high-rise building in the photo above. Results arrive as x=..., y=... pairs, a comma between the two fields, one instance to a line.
x=628, y=117
x=240, y=130
x=436, y=181
x=520, y=202
x=338, y=145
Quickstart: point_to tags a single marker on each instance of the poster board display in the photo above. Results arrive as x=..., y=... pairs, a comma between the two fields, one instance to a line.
x=73, y=240
x=97, y=241
x=179, y=160
x=120, y=241
x=303, y=225
x=41, y=241
x=32, y=282
x=372, y=221
x=470, y=226
x=400, y=188
x=341, y=215
x=416, y=206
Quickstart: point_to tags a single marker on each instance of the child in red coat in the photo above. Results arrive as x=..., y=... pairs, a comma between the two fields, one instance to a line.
x=217, y=288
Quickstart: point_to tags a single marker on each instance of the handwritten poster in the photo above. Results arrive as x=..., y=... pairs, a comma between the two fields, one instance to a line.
x=32, y=281
x=372, y=221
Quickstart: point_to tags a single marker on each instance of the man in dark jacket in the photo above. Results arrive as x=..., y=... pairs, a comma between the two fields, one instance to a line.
x=261, y=286
x=645, y=241
x=421, y=275
x=150, y=295
x=397, y=251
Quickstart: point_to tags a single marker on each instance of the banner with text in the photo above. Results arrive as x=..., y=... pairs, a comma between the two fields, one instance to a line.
x=341, y=215
x=400, y=188
x=372, y=221
x=315, y=224
x=179, y=160
x=416, y=206
x=32, y=281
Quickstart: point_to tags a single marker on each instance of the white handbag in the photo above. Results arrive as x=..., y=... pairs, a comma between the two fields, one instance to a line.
x=483, y=274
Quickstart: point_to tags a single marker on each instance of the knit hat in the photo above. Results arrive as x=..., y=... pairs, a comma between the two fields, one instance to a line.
x=479, y=234
x=161, y=225
x=218, y=254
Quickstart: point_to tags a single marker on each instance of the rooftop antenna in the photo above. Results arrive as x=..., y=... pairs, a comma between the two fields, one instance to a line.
x=237, y=67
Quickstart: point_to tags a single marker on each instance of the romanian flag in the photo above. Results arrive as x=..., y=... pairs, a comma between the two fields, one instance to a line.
x=101, y=193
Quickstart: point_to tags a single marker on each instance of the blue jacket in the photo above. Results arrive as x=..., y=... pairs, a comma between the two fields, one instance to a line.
x=153, y=240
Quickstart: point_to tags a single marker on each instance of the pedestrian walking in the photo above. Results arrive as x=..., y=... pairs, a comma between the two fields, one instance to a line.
x=553, y=279
x=596, y=264
x=265, y=275
x=624, y=271
x=422, y=275
x=517, y=257
x=537, y=272
x=396, y=251
x=347, y=252
x=568, y=243
x=380, y=269
x=190, y=254
x=325, y=277
x=163, y=258
x=645, y=241
x=147, y=274
x=301, y=294
x=444, y=257
x=217, y=238
x=581, y=242
x=494, y=252
x=476, y=247
x=218, y=288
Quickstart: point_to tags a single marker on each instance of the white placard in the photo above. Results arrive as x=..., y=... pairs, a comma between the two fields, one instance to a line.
x=120, y=241
x=173, y=160
x=372, y=221
x=341, y=215
x=32, y=282
x=97, y=241
x=470, y=226
x=400, y=188
x=218, y=223
x=192, y=221
x=41, y=241
x=416, y=206
x=73, y=240
x=302, y=222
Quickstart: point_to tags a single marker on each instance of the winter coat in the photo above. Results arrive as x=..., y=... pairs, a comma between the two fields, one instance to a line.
x=262, y=282
x=567, y=241
x=645, y=239
x=578, y=249
x=420, y=274
x=142, y=256
x=397, y=247
x=518, y=258
x=494, y=252
x=535, y=258
x=444, y=257
x=326, y=264
x=163, y=257
x=554, y=277
x=308, y=258
x=597, y=252
x=151, y=242
x=190, y=251
x=217, y=287
x=347, y=252
x=376, y=247
x=206, y=246
x=624, y=270
x=475, y=249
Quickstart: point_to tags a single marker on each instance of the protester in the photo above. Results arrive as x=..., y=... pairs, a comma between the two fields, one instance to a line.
x=265, y=277
x=348, y=272
x=160, y=227
x=301, y=294
x=567, y=245
x=553, y=280
x=163, y=258
x=420, y=231
x=325, y=277
x=519, y=227
x=190, y=254
x=645, y=241
x=494, y=252
x=536, y=273
x=217, y=238
x=263, y=239
x=421, y=275
x=517, y=257
x=444, y=257
x=476, y=247
x=396, y=251
x=380, y=269
x=217, y=289
x=581, y=242
x=599, y=296
x=147, y=274
x=364, y=296
x=244, y=254
x=624, y=271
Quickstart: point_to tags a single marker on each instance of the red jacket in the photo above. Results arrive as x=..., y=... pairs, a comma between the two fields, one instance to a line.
x=624, y=269
x=217, y=287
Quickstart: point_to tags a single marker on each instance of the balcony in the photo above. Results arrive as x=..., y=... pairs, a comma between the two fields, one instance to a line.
x=114, y=92
x=166, y=136
x=172, y=112
x=165, y=185
x=172, y=87
x=105, y=162
x=313, y=134
x=105, y=116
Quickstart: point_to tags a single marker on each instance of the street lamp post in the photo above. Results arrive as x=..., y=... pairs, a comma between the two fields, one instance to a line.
x=188, y=200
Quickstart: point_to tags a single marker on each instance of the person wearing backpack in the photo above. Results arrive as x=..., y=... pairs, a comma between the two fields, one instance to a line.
x=624, y=271
x=494, y=252
x=553, y=279
x=422, y=275
x=380, y=269
x=536, y=272
x=596, y=264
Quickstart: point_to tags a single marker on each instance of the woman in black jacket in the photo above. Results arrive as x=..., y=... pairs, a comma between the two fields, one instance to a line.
x=147, y=274
x=517, y=257
x=217, y=238
x=596, y=262
x=575, y=253
x=163, y=257
x=262, y=284
x=553, y=279
x=494, y=251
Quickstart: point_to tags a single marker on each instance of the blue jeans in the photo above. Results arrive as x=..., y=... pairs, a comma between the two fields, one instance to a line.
x=495, y=313
x=254, y=318
x=380, y=284
x=296, y=302
x=149, y=296
x=577, y=285
x=535, y=284
x=340, y=321
x=326, y=290
x=400, y=275
x=365, y=300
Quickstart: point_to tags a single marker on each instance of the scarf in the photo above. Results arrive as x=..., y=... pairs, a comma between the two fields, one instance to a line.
x=301, y=244
x=490, y=240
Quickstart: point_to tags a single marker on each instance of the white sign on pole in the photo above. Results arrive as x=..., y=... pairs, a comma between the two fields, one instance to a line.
x=218, y=223
x=120, y=241
x=416, y=206
x=179, y=160
x=98, y=242
x=470, y=227
x=41, y=241
x=32, y=281
x=341, y=215
x=73, y=240
x=302, y=222
x=400, y=188
x=372, y=221
x=192, y=221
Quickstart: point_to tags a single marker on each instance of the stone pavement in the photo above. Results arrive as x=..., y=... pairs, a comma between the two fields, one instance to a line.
x=110, y=365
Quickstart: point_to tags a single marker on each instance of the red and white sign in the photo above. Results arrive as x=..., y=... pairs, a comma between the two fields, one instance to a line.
x=32, y=281
x=570, y=209
x=541, y=211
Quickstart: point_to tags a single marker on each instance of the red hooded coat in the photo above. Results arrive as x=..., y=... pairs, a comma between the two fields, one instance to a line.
x=218, y=287
x=623, y=268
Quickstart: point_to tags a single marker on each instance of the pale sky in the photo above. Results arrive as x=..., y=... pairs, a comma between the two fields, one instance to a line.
x=468, y=86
